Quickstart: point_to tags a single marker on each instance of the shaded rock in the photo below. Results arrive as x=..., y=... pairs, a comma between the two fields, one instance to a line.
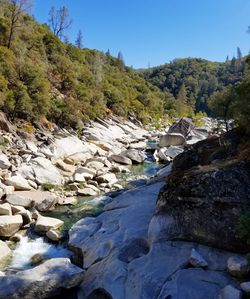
x=121, y=159
x=44, y=224
x=173, y=151
x=109, y=178
x=18, y=182
x=245, y=286
x=37, y=259
x=196, y=260
x=54, y=235
x=43, y=281
x=9, y=225
x=5, y=125
x=26, y=215
x=83, y=173
x=172, y=139
x=18, y=200
x=65, y=166
x=5, y=209
x=238, y=266
x=183, y=126
x=230, y=292
x=95, y=165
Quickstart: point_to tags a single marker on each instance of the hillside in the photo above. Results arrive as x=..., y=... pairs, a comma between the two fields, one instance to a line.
x=201, y=78
x=40, y=76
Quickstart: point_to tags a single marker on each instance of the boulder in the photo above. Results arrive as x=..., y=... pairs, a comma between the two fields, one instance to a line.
x=238, y=266
x=54, y=235
x=64, y=166
x=135, y=155
x=87, y=192
x=83, y=173
x=44, y=281
x=5, y=251
x=173, y=151
x=47, y=204
x=121, y=159
x=109, y=178
x=5, y=209
x=230, y=292
x=245, y=286
x=44, y=224
x=4, y=162
x=183, y=127
x=9, y=225
x=67, y=146
x=67, y=201
x=18, y=182
x=79, y=157
x=172, y=139
x=94, y=165
x=5, y=125
x=18, y=200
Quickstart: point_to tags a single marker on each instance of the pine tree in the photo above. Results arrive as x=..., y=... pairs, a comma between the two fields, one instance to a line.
x=239, y=54
x=79, y=40
x=120, y=59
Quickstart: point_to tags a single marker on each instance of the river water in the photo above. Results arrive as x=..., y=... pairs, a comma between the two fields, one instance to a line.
x=87, y=206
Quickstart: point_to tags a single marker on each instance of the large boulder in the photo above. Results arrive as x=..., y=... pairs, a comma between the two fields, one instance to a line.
x=5, y=252
x=5, y=209
x=44, y=281
x=9, y=225
x=172, y=139
x=204, y=203
x=183, y=127
x=44, y=224
x=135, y=155
x=19, y=200
x=18, y=182
x=121, y=159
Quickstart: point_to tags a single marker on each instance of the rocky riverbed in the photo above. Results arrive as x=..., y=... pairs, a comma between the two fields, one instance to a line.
x=54, y=177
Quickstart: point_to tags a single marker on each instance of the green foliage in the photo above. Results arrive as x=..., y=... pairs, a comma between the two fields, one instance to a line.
x=40, y=76
x=197, y=118
x=47, y=186
x=243, y=227
x=200, y=77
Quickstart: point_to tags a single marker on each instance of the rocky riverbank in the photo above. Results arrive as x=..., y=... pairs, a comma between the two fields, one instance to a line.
x=128, y=235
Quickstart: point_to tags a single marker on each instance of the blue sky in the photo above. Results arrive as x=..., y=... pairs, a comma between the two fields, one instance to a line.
x=157, y=31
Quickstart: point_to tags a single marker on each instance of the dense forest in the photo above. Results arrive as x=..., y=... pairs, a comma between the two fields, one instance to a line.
x=41, y=76
x=197, y=79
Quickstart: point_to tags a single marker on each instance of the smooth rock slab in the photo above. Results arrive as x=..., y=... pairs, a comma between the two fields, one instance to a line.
x=4, y=251
x=9, y=225
x=18, y=182
x=172, y=139
x=44, y=224
x=5, y=209
x=121, y=159
x=18, y=200
x=43, y=281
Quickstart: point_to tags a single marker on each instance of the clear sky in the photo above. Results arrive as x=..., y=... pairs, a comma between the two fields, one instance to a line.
x=157, y=31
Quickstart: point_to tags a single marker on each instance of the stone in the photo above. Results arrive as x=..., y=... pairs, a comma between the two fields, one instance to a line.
x=5, y=125
x=230, y=292
x=171, y=139
x=196, y=260
x=31, y=146
x=67, y=201
x=183, y=126
x=18, y=200
x=5, y=209
x=86, y=192
x=79, y=157
x=4, y=162
x=121, y=159
x=44, y=224
x=173, y=151
x=5, y=251
x=37, y=259
x=109, y=178
x=83, y=173
x=135, y=155
x=18, y=182
x=94, y=165
x=54, y=235
x=26, y=215
x=47, y=204
x=46, y=280
x=238, y=266
x=64, y=166
x=245, y=286
x=9, y=225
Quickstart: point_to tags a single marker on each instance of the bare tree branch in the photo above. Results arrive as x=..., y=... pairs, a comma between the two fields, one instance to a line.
x=59, y=20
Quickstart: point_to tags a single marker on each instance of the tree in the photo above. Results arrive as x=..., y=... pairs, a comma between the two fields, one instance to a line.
x=239, y=54
x=79, y=40
x=17, y=9
x=222, y=104
x=120, y=59
x=59, y=20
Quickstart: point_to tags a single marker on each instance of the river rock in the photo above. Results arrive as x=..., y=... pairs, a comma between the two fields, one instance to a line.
x=182, y=126
x=54, y=235
x=109, y=178
x=4, y=162
x=47, y=204
x=86, y=192
x=18, y=182
x=230, y=292
x=68, y=146
x=238, y=266
x=83, y=173
x=173, y=151
x=9, y=225
x=5, y=209
x=18, y=200
x=136, y=156
x=71, y=200
x=121, y=159
x=5, y=251
x=44, y=224
x=26, y=215
x=43, y=281
x=245, y=286
x=172, y=139
x=65, y=167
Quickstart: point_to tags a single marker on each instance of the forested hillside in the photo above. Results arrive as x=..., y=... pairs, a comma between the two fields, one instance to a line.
x=196, y=79
x=40, y=76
